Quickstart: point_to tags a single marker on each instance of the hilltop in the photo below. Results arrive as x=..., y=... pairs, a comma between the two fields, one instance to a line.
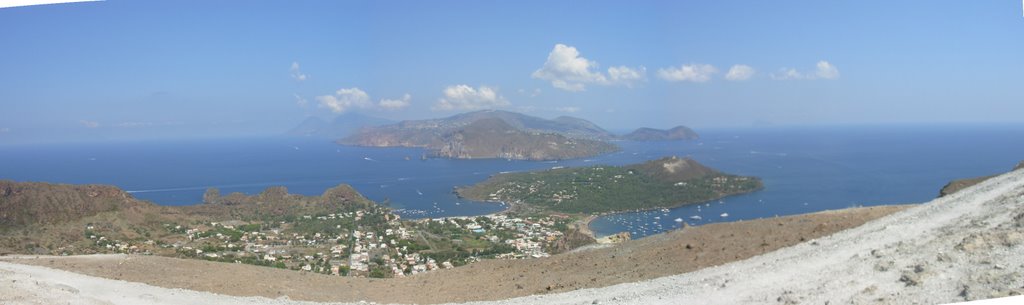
x=535, y=138
x=29, y=204
x=651, y=134
x=662, y=183
x=62, y=218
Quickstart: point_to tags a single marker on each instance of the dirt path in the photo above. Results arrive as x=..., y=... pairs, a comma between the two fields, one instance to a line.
x=662, y=255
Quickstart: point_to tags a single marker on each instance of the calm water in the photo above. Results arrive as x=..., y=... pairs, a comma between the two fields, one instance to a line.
x=804, y=170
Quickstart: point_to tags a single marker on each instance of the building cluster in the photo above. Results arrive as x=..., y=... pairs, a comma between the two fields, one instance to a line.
x=528, y=236
x=348, y=245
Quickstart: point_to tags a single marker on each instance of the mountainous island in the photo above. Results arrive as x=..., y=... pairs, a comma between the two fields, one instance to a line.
x=662, y=183
x=651, y=134
x=492, y=134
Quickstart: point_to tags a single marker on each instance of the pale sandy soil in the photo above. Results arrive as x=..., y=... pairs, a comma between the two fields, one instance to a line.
x=961, y=247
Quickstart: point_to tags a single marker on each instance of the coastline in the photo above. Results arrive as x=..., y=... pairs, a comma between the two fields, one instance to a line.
x=556, y=274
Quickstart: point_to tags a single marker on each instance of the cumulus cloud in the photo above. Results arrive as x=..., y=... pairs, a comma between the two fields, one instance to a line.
x=392, y=104
x=826, y=70
x=464, y=97
x=344, y=99
x=697, y=73
x=89, y=124
x=740, y=73
x=568, y=109
x=823, y=70
x=296, y=73
x=569, y=71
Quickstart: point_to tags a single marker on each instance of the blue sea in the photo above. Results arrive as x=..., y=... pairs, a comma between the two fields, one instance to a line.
x=804, y=169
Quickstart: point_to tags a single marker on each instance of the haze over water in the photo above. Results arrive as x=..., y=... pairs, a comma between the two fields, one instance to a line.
x=804, y=169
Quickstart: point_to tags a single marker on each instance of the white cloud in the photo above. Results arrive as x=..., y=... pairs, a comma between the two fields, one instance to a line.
x=823, y=70
x=826, y=70
x=5, y=130
x=697, y=73
x=626, y=75
x=390, y=104
x=344, y=99
x=740, y=73
x=296, y=73
x=569, y=71
x=463, y=97
x=89, y=124
x=568, y=109
x=301, y=101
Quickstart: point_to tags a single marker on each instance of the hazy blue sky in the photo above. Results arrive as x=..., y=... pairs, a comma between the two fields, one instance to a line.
x=120, y=69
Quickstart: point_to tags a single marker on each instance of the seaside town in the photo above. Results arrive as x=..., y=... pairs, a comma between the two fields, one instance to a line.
x=371, y=242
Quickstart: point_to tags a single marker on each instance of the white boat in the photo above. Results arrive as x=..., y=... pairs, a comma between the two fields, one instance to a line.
x=679, y=220
x=724, y=215
x=695, y=217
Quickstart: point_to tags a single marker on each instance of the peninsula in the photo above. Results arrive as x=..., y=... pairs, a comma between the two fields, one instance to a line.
x=662, y=183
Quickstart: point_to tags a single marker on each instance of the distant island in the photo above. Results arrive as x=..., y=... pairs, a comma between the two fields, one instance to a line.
x=501, y=134
x=339, y=127
x=662, y=183
x=651, y=134
x=492, y=134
